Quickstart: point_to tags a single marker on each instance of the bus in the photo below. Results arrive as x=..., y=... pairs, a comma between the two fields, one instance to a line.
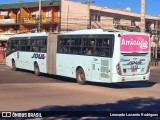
x=92, y=55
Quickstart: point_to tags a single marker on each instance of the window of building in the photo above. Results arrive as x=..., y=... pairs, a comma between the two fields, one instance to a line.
x=48, y=13
x=7, y=30
x=35, y=13
x=96, y=17
x=133, y=23
x=116, y=20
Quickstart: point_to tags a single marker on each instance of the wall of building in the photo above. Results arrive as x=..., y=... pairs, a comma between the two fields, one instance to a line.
x=25, y=19
x=74, y=16
x=108, y=15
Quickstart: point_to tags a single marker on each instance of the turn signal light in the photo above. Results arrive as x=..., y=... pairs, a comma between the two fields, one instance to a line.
x=118, y=68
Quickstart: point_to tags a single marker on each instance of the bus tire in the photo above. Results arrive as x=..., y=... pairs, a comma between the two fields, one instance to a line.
x=36, y=69
x=80, y=76
x=14, y=65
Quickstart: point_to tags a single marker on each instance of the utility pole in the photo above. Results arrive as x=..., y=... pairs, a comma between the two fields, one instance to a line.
x=67, y=17
x=99, y=13
x=156, y=39
x=89, y=12
x=89, y=4
x=39, y=17
x=143, y=15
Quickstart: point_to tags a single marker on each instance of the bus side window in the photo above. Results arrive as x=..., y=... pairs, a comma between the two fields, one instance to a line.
x=92, y=42
x=75, y=46
x=88, y=51
x=106, y=43
x=60, y=46
x=13, y=48
x=85, y=42
x=107, y=47
x=14, y=45
x=43, y=45
x=65, y=49
x=34, y=48
x=99, y=42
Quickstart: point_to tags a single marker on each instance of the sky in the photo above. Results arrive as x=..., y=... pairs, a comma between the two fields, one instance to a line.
x=152, y=6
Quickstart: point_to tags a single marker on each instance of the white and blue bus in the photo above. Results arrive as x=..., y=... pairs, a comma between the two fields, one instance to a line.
x=86, y=55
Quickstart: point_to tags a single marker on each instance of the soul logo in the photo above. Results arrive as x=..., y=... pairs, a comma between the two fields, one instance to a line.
x=38, y=56
x=134, y=62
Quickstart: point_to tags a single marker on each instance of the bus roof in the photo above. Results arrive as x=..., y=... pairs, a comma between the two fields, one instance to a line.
x=81, y=32
x=30, y=34
x=87, y=31
x=101, y=31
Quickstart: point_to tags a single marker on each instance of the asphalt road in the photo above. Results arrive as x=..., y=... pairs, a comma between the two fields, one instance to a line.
x=23, y=91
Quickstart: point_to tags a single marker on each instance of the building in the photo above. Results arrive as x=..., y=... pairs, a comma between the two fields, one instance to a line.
x=23, y=17
x=65, y=15
x=74, y=16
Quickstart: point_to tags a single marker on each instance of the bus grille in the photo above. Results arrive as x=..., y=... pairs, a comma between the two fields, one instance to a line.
x=104, y=68
x=103, y=75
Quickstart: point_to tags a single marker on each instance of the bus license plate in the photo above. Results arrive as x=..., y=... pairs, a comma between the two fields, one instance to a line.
x=134, y=70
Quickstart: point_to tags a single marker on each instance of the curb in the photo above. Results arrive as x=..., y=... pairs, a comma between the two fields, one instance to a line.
x=2, y=62
x=155, y=68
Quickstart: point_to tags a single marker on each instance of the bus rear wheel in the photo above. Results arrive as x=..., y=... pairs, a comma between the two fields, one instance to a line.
x=36, y=69
x=14, y=65
x=80, y=76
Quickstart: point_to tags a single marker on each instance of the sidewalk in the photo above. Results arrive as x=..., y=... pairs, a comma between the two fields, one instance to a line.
x=155, y=68
x=2, y=62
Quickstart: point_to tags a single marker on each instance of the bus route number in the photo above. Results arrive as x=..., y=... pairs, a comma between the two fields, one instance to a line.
x=134, y=67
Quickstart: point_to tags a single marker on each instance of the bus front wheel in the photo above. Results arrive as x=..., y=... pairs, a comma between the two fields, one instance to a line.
x=80, y=76
x=36, y=69
x=14, y=65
